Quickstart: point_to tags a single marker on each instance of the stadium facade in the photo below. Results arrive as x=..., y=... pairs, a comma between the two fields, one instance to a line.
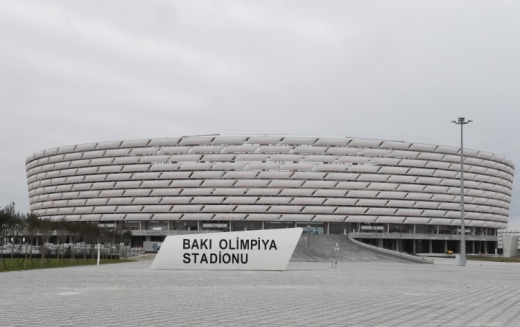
x=400, y=195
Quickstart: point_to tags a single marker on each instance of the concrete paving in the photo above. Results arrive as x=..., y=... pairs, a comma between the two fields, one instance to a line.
x=307, y=294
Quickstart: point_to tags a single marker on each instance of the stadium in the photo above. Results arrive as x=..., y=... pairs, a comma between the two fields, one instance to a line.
x=393, y=194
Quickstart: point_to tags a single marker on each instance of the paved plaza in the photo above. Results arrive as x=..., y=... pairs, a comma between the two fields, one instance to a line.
x=307, y=294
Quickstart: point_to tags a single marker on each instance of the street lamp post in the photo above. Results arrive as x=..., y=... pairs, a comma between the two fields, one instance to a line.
x=462, y=121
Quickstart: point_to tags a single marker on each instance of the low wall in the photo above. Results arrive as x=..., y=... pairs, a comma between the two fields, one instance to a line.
x=390, y=252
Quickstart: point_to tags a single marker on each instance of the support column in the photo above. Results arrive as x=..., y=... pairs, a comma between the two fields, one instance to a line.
x=431, y=246
x=445, y=246
x=263, y=225
x=230, y=226
x=328, y=228
x=198, y=224
x=414, y=249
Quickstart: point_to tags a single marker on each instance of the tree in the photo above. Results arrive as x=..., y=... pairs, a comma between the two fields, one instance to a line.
x=15, y=228
x=45, y=229
x=6, y=216
x=31, y=226
x=127, y=238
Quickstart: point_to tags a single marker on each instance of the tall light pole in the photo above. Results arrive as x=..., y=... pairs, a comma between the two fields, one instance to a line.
x=462, y=121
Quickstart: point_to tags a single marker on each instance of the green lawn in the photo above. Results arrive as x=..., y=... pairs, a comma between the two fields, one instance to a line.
x=19, y=264
x=496, y=259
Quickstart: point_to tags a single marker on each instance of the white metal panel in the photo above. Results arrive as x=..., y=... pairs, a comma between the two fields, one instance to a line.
x=136, y=193
x=129, y=208
x=343, y=151
x=331, y=167
x=154, y=184
x=264, y=191
x=186, y=208
x=119, y=201
x=363, y=169
x=298, y=140
x=80, y=163
x=310, y=149
x=373, y=177
x=409, y=212
x=286, y=157
x=319, y=158
x=88, y=194
x=341, y=176
x=230, y=191
x=156, y=208
x=251, y=183
x=264, y=139
x=384, y=161
x=275, y=174
x=206, y=149
x=132, y=168
x=423, y=172
x=251, y=208
x=208, y=199
x=352, y=210
x=442, y=197
x=143, y=176
x=246, y=148
x=371, y=203
x=390, y=220
x=108, y=145
x=326, y=192
x=218, y=157
x=128, y=184
x=81, y=187
x=240, y=174
x=360, y=219
x=184, y=158
x=382, y=186
x=101, y=162
x=353, y=159
x=166, y=216
x=329, y=218
x=362, y=194
x=308, y=201
x=274, y=200
x=68, y=172
x=402, y=179
x=104, y=209
x=375, y=152
x=332, y=141
x=300, y=192
x=176, y=200
x=185, y=183
x=118, y=177
x=154, y=159
x=104, y=169
x=427, y=204
x=74, y=179
x=111, y=193
x=82, y=210
x=134, y=143
x=352, y=185
x=112, y=217
x=229, y=216
x=400, y=203
x=433, y=213
x=435, y=189
x=284, y=209
x=274, y=149
x=218, y=183
x=308, y=175
x=138, y=216
x=252, y=157
x=175, y=175
x=229, y=139
x=244, y=199
x=381, y=211
x=392, y=195
x=297, y=166
x=174, y=150
x=196, y=140
x=228, y=165
x=311, y=184
x=340, y=201
x=438, y=165
x=261, y=166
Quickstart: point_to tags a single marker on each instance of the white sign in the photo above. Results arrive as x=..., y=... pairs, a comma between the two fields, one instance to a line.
x=269, y=249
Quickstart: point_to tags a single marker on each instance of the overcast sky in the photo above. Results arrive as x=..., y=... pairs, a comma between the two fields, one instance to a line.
x=85, y=71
